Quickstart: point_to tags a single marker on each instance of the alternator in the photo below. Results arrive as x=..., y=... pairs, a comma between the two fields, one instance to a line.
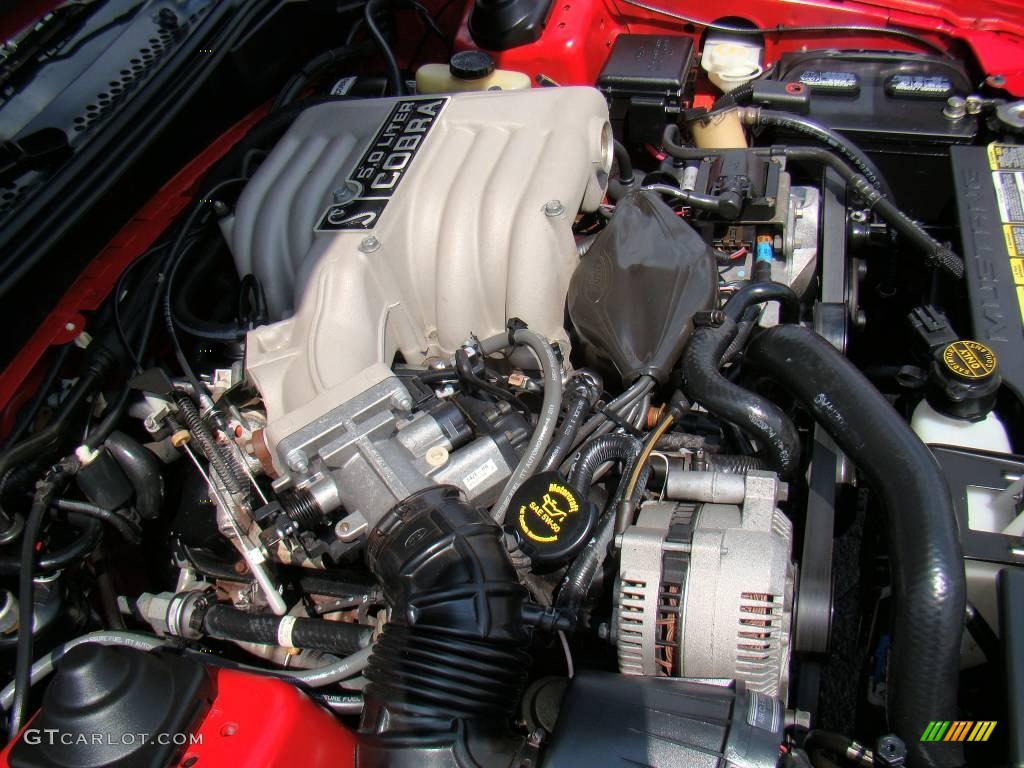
x=706, y=589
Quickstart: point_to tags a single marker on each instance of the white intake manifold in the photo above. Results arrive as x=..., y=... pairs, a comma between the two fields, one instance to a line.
x=391, y=226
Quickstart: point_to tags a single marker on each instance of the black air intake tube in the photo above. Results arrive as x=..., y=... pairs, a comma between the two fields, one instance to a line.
x=927, y=563
x=449, y=668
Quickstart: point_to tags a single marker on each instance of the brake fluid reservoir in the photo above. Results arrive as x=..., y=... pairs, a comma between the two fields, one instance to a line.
x=469, y=71
x=731, y=62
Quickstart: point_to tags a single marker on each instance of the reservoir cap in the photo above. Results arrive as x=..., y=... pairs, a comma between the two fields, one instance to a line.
x=550, y=520
x=471, y=65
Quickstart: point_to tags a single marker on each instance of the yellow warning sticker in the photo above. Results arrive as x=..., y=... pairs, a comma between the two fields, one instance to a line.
x=970, y=359
x=1014, y=234
x=1006, y=157
x=1020, y=301
x=1017, y=267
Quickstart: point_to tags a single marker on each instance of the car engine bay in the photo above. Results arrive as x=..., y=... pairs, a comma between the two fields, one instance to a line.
x=639, y=385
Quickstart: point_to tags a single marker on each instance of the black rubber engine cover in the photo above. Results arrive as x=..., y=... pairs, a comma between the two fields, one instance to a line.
x=634, y=294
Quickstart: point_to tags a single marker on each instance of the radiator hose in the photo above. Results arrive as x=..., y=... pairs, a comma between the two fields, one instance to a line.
x=927, y=563
x=755, y=415
x=449, y=667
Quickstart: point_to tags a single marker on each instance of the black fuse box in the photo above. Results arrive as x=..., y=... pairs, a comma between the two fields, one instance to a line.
x=644, y=81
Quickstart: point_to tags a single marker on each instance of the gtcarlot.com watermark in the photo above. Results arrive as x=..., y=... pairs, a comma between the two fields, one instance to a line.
x=53, y=736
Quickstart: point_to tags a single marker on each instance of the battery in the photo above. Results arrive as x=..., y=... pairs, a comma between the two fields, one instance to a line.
x=989, y=184
x=881, y=98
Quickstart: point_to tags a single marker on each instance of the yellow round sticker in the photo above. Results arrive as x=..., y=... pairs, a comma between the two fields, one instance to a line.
x=969, y=359
x=541, y=518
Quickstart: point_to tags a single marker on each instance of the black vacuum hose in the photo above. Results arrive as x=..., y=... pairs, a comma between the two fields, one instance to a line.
x=228, y=623
x=579, y=577
x=937, y=254
x=89, y=532
x=597, y=452
x=927, y=563
x=741, y=94
x=756, y=416
x=786, y=121
x=581, y=394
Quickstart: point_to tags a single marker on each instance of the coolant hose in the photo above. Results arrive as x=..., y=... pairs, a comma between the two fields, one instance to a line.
x=143, y=471
x=583, y=390
x=550, y=406
x=758, y=417
x=450, y=662
x=758, y=293
x=734, y=464
x=228, y=623
x=927, y=562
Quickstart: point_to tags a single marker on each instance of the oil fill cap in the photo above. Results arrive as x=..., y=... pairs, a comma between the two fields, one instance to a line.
x=550, y=520
x=471, y=65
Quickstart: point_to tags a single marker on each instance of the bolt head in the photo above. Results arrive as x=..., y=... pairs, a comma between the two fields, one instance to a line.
x=401, y=401
x=553, y=208
x=297, y=462
x=956, y=108
x=348, y=191
x=369, y=244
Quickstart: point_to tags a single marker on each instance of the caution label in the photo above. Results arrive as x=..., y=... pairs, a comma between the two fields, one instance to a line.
x=1010, y=194
x=1006, y=157
x=1007, y=164
x=1014, y=234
